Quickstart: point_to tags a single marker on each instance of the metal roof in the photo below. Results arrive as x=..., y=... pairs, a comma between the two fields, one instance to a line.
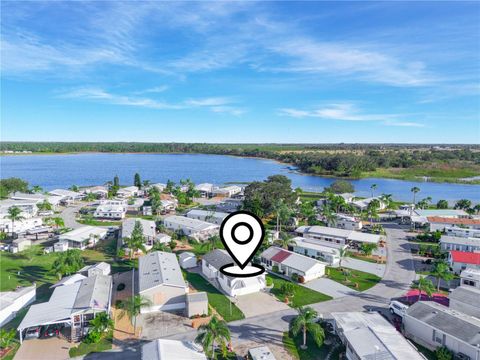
x=90, y=293
x=193, y=224
x=68, y=280
x=148, y=227
x=373, y=337
x=83, y=233
x=163, y=349
x=293, y=260
x=206, y=214
x=440, y=212
x=468, y=241
x=9, y=297
x=454, y=323
x=217, y=258
x=159, y=268
x=466, y=295
x=339, y=233
x=318, y=245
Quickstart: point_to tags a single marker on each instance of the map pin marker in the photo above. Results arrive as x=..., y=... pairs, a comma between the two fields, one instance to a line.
x=242, y=234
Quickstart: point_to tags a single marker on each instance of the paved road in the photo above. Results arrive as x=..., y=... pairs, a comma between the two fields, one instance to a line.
x=399, y=274
x=269, y=328
x=69, y=214
x=329, y=287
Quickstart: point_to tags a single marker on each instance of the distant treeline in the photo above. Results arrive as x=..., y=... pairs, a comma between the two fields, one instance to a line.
x=349, y=160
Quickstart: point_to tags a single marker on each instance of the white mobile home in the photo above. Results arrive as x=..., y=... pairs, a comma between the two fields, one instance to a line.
x=196, y=229
x=441, y=223
x=338, y=236
x=83, y=237
x=149, y=229
x=433, y=325
x=369, y=336
x=161, y=281
x=13, y=301
x=289, y=263
x=211, y=264
x=213, y=217
x=448, y=243
x=127, y=192
x=111, y=209
x=324, y=251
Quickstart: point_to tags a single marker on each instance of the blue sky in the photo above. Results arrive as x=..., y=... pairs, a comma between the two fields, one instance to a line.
x=313, y=72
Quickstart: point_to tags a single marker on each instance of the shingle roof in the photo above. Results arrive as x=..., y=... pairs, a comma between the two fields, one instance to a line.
x=217, y=258
x=454, y=323
x=159, y=268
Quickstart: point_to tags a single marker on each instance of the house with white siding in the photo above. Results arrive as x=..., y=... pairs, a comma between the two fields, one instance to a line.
x=205, y=190
x=441, y=223
x=338, y=236
x=196, y=229
x=470, y=278
x=462, y=232
x=213, y=217
x=149, y=229
x=13, y=301
x=111, y=209
x=324, y=251
x=127, y=192
x=232, y=286
x=82, y=237
x=470, y=244
x=28, y=207
x=288, y=263
x=433, y=325
x=461, y=260
x=227, y=191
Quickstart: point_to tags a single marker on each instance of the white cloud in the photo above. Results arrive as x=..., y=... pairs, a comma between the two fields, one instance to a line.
x=347, y=112
x=153, y=90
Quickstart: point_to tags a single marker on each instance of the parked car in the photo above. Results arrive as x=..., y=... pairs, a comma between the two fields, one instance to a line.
x=397, y=308
x=50, y=330
x=33, y=333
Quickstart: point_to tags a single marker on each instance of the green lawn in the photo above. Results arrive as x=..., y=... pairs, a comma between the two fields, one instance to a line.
x=83, y=349
x=313, y=352
x=364, y=280
x=362, y=257
x=302, y=295
x=93, y=222
x=215, y=298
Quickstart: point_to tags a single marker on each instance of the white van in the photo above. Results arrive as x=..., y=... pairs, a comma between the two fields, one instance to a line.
x=397, y=308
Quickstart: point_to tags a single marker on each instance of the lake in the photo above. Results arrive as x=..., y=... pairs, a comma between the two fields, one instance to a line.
x=62, y=171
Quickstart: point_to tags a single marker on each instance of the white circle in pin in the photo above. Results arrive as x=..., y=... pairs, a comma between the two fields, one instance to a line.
x=242, y=234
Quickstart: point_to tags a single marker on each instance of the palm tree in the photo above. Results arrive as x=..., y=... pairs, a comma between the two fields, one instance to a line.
x=14, y=214
x=158, y=246
x=214, y=332
x=441, y=270
x=101, y=323
x=136, y=241
x=329, y=216
x=37, y=189
x=476, y=208
x=67, y=263
x=387, y=200
x=132, y=307
x=306, y=321
x=373, y=187
x=414, y=190
x=342, y=252
x=423, y=284
x=284, y=241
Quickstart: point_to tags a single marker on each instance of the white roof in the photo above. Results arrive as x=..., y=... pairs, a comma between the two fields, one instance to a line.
x=261, y=353
x=101, y=265
x=292, y=259
x=186, y=255
x=110, y=207
x=148, y=226
x=83, y=233
x=64, y=193
x=194, y=224
x=54, y=200
x=7, y=298
x=159, y=268
x=339, y=233
x=441, y=212
x=69, y=280
x=207, y=214
x=468, y=241
x=128, y=189
x=370, y=334
x=163, y=349
x=318, y=245
x=204, y=187
x=470, y=273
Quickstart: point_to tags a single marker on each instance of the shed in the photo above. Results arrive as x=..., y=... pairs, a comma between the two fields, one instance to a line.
x=188, y=260
x=197, y=304
x=20, y=244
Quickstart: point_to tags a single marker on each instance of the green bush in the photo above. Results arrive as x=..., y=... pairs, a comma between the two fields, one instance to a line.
x=275, y=269
x=295, y=277
x=269, y=281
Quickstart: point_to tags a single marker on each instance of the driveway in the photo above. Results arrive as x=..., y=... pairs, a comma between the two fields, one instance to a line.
x=330, y=287
x=269, y=328
x=44, y=349
x=365, y=266
x=258, y=304
x=161, y=324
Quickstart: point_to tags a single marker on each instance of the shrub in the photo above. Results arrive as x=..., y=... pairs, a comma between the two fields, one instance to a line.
x=275, y=268
x=287, y=289
x=93, y=337
x=295, y=277
x=269, y=281
x=442, y=353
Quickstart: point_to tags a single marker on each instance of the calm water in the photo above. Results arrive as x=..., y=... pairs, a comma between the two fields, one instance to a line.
x=62, y=171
